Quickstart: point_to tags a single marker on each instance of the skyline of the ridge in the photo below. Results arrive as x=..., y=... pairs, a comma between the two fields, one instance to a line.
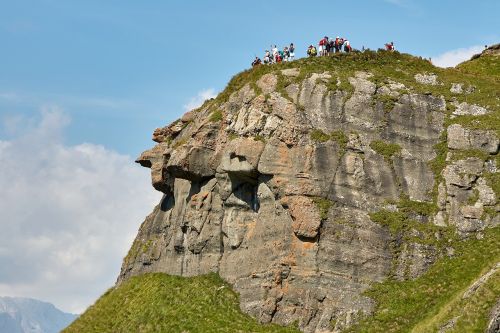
x=84, y=84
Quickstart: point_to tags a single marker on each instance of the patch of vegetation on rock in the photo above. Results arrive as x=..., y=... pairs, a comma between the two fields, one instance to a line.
x=338, y=136
x=385, y=149
x=341, y=138
x=216, y=116
x=319, y=136
x=260, y=138
x=388, y=101
x=323, y=205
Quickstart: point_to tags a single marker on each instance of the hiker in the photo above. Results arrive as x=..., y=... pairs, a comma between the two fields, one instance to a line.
x=329, y=47
x=256, y=62
x=286, y=54
x=389, y=46
x=274, y=50
x=311, y=51
x=337, y=44
x=347, y=46
x=267, y=58
x=291, y=49
x=322, y=46
x=278, y=57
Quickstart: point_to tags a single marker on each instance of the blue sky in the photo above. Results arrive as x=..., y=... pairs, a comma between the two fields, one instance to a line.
x=84, y=83
x=121, y=68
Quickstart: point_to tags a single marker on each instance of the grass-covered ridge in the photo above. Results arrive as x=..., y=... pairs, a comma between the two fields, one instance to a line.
x=430, y=301
x=162, y=303
x=390, y=65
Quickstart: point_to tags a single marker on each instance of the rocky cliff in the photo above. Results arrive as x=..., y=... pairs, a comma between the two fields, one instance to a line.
x=303, y=184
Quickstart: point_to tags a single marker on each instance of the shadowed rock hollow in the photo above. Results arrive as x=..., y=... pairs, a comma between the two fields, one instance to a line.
x=303, y=186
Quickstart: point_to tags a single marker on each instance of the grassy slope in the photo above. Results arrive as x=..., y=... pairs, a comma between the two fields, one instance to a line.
x=162, y=303
x=431, y=300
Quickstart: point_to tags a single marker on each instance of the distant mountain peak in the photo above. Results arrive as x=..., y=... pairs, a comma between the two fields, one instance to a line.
x=27, y=315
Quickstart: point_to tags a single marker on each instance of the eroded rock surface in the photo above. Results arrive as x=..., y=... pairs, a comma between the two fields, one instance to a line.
x=284, y=217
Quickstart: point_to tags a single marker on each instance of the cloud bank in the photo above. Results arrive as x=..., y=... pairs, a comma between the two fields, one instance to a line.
x=68, y=214
x=454, y=57
x=201, y=97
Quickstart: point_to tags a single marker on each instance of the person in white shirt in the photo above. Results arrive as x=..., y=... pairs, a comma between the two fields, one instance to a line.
x=347, y=46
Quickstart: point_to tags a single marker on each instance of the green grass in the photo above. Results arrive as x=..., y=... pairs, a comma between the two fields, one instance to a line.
x=402, y=305
x=388, y=101
x=490, y=121
x=471, y=312
x=415, y=207
x=260, y=138
x=385, y=149
x=158, y=302
x=319, y=136
x=338, y=136
x=323, y=205
x=493, y=180
x=216, y=116
x=341, y=138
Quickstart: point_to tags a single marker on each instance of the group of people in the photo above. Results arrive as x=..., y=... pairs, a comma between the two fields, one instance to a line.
x=326, y=46
x=276, y=56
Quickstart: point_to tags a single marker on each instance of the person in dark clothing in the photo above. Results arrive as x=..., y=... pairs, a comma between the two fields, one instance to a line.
x=256, y=62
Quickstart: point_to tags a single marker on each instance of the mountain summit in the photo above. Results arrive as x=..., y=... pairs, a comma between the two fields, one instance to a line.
x=357, y=192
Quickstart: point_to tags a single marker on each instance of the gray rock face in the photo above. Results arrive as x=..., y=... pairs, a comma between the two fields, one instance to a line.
x=469, y=109
x=462, y=138
x=285, y=218
x=430, y=79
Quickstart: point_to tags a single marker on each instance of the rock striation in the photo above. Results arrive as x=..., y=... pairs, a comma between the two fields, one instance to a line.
x=275, y=186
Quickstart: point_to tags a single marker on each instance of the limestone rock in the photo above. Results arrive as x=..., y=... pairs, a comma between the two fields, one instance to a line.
x=429, y=79
x=305, y=215
x=267, y=83
x=469, y=109
x=292, y=72
x=456, y=88
x=277, y=197
x=462, y=138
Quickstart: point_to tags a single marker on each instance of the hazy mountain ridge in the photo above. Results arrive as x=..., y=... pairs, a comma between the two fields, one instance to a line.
x=26, y=315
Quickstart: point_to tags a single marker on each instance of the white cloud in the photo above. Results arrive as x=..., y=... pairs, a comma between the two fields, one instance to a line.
x=68, y=214
x=454, y=57
x=201, y=97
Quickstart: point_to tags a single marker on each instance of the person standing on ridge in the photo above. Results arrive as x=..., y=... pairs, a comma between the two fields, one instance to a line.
x=267, y=58
x=390, y=46
x=337, y=44
x=286, y=54
x=322, y=46
x=347, y=46
x=292, y=52
x=274, y=50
